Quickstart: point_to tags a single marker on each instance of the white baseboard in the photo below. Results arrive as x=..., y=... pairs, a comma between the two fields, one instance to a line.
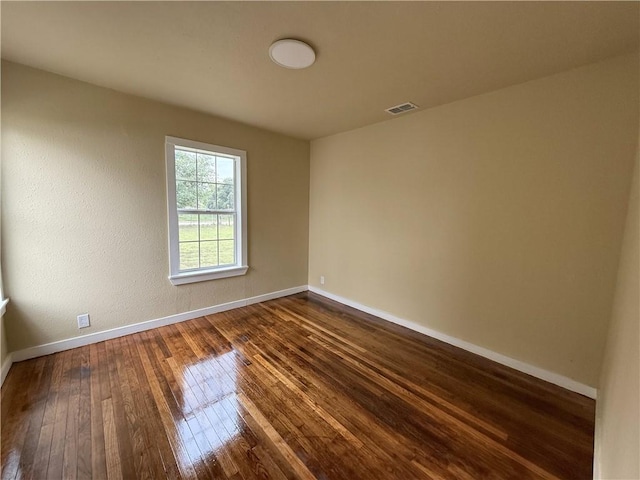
x=75, y=342
x=5, y=367
x=3, y=306
x=81, y=341
x=537, y=372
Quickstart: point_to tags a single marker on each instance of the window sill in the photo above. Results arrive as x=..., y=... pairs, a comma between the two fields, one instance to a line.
x=192, y=277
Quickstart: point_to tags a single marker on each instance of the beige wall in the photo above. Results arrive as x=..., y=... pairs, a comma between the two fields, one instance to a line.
x=4, y=350
x=618, y=406
x=496, y=219
x=85, y=216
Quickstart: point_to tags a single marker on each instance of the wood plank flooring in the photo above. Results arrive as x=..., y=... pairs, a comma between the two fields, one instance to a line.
x=299, y=387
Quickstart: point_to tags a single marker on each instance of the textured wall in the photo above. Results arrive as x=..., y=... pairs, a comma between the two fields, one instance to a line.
x=85, y=216
x=4, y=348
x=618, y=406
x=496, y=219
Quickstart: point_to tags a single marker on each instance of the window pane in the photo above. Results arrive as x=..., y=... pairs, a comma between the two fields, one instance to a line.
x=186, y=196
x=225, y=197
x=208, y=254
x=207, y=196
x=225, y=227
x=205, y=210
x=189, y=255
x=225, y=170
x=185, y=165
x=208, y=227
x=206, y=168
x=227, y=252
x=187, y=227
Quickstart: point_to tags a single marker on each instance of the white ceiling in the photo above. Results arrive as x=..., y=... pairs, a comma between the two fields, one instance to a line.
x=213, y=56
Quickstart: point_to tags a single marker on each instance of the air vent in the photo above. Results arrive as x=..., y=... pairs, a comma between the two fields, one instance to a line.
x=403, y=107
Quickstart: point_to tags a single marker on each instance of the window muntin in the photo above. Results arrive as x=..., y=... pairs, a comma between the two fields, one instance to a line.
x=207, y=220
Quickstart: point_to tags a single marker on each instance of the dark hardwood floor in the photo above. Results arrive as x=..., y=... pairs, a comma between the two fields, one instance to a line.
x=299, y=387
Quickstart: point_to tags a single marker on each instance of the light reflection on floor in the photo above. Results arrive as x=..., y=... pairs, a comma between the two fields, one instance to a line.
x=209, y=408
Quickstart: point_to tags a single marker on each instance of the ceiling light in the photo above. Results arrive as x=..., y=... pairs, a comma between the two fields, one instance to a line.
x=289, y=53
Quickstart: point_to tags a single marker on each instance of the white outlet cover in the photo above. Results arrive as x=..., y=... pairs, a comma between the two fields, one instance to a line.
x=83, y=320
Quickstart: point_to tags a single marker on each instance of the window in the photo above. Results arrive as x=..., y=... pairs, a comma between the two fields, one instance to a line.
x=206, y=192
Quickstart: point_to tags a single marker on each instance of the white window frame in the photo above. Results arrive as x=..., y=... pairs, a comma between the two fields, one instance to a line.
x=176, y=276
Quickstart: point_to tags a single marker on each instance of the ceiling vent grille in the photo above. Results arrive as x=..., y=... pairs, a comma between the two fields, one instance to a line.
x=403, y=107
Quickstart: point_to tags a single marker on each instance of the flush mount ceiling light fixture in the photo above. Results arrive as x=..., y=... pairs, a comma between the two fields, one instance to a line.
x=290, y=53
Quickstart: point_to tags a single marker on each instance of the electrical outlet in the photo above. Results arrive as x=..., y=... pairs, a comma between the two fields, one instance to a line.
x=83, y=320
x=321, y=279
